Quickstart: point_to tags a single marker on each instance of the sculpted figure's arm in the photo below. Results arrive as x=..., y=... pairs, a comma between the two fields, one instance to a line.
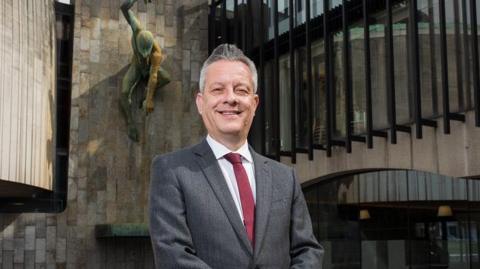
x=156, y=59
x=171, y=239
x=305, y=251
x=129, y=16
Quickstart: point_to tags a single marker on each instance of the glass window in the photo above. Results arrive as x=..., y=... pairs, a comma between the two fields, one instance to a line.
x=319, y=93
x=338, y=226
x=474, y=198
x=453, y=54
x=258, y=32
x=300, y=15
x=271, y=19
x=357, y=54
x=467, y=54
x=339, y=82
x=268, y=128
x=283, y=15
x=301, y=96
x=285, y=104
x=230, y=6
x=377, y=73
x=460, y=73
x=478, y=29
x=316, y=8
x=464, y=76
x=389, y=219
x=429, y=53
x=335, y=3
x=403, y=97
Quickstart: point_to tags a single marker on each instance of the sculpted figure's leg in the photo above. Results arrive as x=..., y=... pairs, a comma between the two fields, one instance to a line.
x=163, y=77
x=129, y=82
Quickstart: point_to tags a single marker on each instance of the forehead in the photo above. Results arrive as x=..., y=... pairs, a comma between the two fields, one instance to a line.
x=224, y=71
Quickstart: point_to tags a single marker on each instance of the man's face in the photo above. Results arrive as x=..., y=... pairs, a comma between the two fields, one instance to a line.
x=228, y=101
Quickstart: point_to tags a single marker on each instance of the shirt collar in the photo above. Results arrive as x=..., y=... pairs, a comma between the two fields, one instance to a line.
x=220, y=150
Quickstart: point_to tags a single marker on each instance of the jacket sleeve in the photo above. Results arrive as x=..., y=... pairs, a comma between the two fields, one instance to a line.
x=171, y=239
x=305, y=251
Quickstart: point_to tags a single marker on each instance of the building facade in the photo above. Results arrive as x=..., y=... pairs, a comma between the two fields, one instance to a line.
x=376, y=105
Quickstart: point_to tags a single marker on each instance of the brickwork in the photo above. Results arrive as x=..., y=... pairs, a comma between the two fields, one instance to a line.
x=108, y=173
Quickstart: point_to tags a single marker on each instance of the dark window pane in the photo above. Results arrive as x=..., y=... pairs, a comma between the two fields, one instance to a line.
x=453, y=53
x=429, y=53
x=403, y=97
x=378, y=68
x=357, y=55
x=285, y=105
x=318, y=87
x=396, y=219
x=268, y=128
x=316, y=8
x=339, y=86
x=301, y=99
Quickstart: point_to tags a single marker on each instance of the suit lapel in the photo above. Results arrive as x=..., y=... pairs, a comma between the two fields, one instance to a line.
x=215, y=178
x=263, y=179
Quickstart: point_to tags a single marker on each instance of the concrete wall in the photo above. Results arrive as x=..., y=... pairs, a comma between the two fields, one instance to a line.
x=108, y=173
x=27, y=84
x=456, y=154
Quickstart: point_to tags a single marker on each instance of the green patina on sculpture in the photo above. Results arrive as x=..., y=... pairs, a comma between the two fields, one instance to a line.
x=145, y=65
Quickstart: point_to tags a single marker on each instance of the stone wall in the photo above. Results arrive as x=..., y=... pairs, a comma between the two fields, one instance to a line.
x=108, y=173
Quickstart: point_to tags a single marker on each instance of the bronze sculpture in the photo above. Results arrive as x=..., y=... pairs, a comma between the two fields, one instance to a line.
x=145, y=64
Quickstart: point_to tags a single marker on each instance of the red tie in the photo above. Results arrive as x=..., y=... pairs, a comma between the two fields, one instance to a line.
x=246, y=195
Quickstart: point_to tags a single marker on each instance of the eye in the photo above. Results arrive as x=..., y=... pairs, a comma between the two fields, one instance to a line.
x=242, y=91
x=216, y=90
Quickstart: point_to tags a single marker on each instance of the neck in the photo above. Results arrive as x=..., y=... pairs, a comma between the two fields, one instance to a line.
x=232, y=143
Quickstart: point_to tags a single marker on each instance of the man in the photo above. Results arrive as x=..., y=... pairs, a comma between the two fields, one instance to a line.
x=146, y=60
x=219, y=204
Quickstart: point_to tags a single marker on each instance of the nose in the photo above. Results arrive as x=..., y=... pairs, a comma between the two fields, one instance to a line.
x=230, y=97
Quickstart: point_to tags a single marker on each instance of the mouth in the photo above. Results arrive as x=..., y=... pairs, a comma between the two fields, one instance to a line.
x=229, y=112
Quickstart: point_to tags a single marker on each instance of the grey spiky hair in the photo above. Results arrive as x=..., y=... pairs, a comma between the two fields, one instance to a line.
x=228, y=52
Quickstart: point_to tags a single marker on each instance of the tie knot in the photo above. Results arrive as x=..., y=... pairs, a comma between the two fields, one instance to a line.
x=233, y=158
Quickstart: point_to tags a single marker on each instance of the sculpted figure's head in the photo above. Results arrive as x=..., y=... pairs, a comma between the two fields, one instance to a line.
x=144, y=43
x=227, y=99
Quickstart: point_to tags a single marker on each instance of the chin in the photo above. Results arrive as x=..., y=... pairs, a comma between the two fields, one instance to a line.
x=231, y=132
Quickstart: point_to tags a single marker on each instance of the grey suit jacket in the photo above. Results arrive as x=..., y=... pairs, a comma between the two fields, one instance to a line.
x=194, y=222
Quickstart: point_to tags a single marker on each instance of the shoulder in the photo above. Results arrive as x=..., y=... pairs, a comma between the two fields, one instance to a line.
x=168, y=168
x=279, y=166
x=136, y=27
x=172, y=159
x=281, y=173
x=276, y=165
x=156, y=57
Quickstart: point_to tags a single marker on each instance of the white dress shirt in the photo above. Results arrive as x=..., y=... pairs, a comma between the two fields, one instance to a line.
x=219, y=151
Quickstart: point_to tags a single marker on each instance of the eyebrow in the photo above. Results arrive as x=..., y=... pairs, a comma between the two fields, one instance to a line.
x=235, y=84
x=217, y=84
x=240, y=84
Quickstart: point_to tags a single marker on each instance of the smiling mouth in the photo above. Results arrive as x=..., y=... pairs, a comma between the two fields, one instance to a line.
x=229, y=112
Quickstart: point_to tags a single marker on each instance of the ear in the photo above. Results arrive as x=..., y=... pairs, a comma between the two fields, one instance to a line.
x=256, y=101
x=199, y=102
